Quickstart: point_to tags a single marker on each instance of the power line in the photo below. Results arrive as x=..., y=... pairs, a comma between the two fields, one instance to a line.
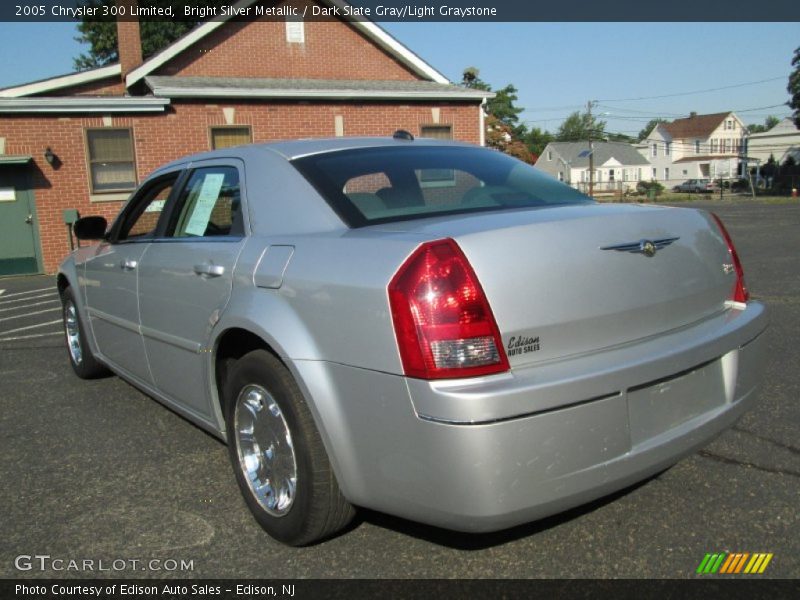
x=725, y=87
x=647, y=116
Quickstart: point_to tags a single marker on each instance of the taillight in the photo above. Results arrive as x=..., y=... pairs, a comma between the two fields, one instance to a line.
x=740, y=292
x=442, y=320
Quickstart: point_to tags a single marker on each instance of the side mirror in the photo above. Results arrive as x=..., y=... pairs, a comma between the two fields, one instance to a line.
x=90, y=228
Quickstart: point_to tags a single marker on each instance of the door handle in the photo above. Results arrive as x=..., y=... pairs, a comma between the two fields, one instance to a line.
x=209, y=269
x=128, y=264
x=29, y=219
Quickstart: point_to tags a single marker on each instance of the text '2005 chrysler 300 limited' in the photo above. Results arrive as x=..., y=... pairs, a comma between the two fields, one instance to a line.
x=425, y=328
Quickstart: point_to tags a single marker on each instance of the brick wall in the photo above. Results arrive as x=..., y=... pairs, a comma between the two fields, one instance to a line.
x=112, y=86
x=332, y=50
x=159, y=138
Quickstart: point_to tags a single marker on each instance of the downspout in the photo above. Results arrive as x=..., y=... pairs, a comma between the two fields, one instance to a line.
x=481, y=121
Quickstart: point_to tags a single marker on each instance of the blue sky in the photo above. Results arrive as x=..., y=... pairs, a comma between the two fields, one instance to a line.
x=557, y=67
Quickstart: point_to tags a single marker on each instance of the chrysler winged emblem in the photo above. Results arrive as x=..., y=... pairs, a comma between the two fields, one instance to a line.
x=646, y=247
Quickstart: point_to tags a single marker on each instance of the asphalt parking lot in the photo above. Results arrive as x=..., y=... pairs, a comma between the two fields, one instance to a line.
x=96, y=470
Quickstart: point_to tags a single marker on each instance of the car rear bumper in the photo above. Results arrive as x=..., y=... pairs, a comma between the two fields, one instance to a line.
x=490, y=453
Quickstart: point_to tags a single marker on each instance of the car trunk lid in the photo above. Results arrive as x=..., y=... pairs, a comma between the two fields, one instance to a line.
x=571, y=280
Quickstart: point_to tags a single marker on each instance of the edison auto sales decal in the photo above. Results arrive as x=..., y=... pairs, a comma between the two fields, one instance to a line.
x=522, y=345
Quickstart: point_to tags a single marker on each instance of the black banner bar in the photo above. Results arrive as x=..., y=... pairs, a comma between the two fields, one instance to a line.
x=703, y=588
x=405, y=10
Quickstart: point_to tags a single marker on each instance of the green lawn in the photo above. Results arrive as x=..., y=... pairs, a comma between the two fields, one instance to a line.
x=673, y=198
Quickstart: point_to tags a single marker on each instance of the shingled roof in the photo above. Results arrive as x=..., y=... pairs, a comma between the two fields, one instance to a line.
x=576, y=153
x=698, y=126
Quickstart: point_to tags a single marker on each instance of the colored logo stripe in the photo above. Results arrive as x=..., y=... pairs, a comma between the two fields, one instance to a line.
x=734, y=563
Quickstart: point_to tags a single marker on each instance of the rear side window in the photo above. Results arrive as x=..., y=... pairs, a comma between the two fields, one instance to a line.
x=378, y=185
x=209, y=205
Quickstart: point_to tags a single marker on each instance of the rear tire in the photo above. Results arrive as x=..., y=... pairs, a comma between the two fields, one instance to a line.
x=278, y=458
x=80, y=354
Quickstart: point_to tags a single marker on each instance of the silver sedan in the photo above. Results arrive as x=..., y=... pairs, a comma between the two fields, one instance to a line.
x=429, y=329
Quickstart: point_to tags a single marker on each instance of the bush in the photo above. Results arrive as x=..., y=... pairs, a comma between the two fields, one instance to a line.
x=740, y=185
x=645, y=186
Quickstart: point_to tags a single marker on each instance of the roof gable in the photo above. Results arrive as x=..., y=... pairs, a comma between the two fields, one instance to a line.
x=388, y=46
x=371, y=31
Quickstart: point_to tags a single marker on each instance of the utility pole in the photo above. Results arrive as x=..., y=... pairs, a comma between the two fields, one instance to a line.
x=591, y=149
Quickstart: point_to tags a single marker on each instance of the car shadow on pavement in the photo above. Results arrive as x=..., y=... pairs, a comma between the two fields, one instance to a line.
x=481, y=541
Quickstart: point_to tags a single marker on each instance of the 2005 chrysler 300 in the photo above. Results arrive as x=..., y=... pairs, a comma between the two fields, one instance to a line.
x=429, y=329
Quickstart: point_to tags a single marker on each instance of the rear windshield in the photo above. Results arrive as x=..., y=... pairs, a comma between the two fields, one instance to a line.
x=379, y=185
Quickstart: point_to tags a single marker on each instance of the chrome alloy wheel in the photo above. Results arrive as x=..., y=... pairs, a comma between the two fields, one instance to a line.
x=266, y=454
x=73, y=332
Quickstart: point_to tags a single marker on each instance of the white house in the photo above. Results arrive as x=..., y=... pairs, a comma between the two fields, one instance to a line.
x=696, y=147
x=617, y=165
x=781, y=141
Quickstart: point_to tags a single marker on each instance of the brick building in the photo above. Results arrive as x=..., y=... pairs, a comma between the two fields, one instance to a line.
x=82, y=142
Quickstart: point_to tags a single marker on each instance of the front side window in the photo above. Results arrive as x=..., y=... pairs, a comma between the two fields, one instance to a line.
x=112, y=167
x=209, y=205
x=143, y=212
x=667, y=148
x=697, y=146
x=655, y=149
x=374, y=185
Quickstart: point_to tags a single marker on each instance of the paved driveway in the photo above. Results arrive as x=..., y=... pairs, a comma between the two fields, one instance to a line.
x=96, y=470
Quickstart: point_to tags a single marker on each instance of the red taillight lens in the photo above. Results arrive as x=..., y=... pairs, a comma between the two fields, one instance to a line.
x=442, y=320
x=740, y=292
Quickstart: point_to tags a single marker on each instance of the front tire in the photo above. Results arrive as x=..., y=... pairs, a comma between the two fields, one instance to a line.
x=80, y=354
x=277, y=454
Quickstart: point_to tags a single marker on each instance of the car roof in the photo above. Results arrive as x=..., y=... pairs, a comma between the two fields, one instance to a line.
x=296, y=148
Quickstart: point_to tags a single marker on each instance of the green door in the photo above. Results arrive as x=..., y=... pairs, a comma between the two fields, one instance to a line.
x=18, y=236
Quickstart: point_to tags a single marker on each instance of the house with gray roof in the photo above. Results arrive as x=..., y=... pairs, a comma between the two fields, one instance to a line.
x=617, y=166
x=780, y=142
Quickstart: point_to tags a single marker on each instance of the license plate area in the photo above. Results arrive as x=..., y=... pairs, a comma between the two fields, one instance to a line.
x=657, y=407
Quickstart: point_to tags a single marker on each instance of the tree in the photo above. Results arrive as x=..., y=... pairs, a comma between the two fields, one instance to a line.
x=471, y=79
x=794, y=87
x=580, y=126
x=503, y=130
x=502, y=137
x=769, y=123
x=502, y=105
x=620, y=137
x=101, y=34
x=536, y=140
x=649, y=127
